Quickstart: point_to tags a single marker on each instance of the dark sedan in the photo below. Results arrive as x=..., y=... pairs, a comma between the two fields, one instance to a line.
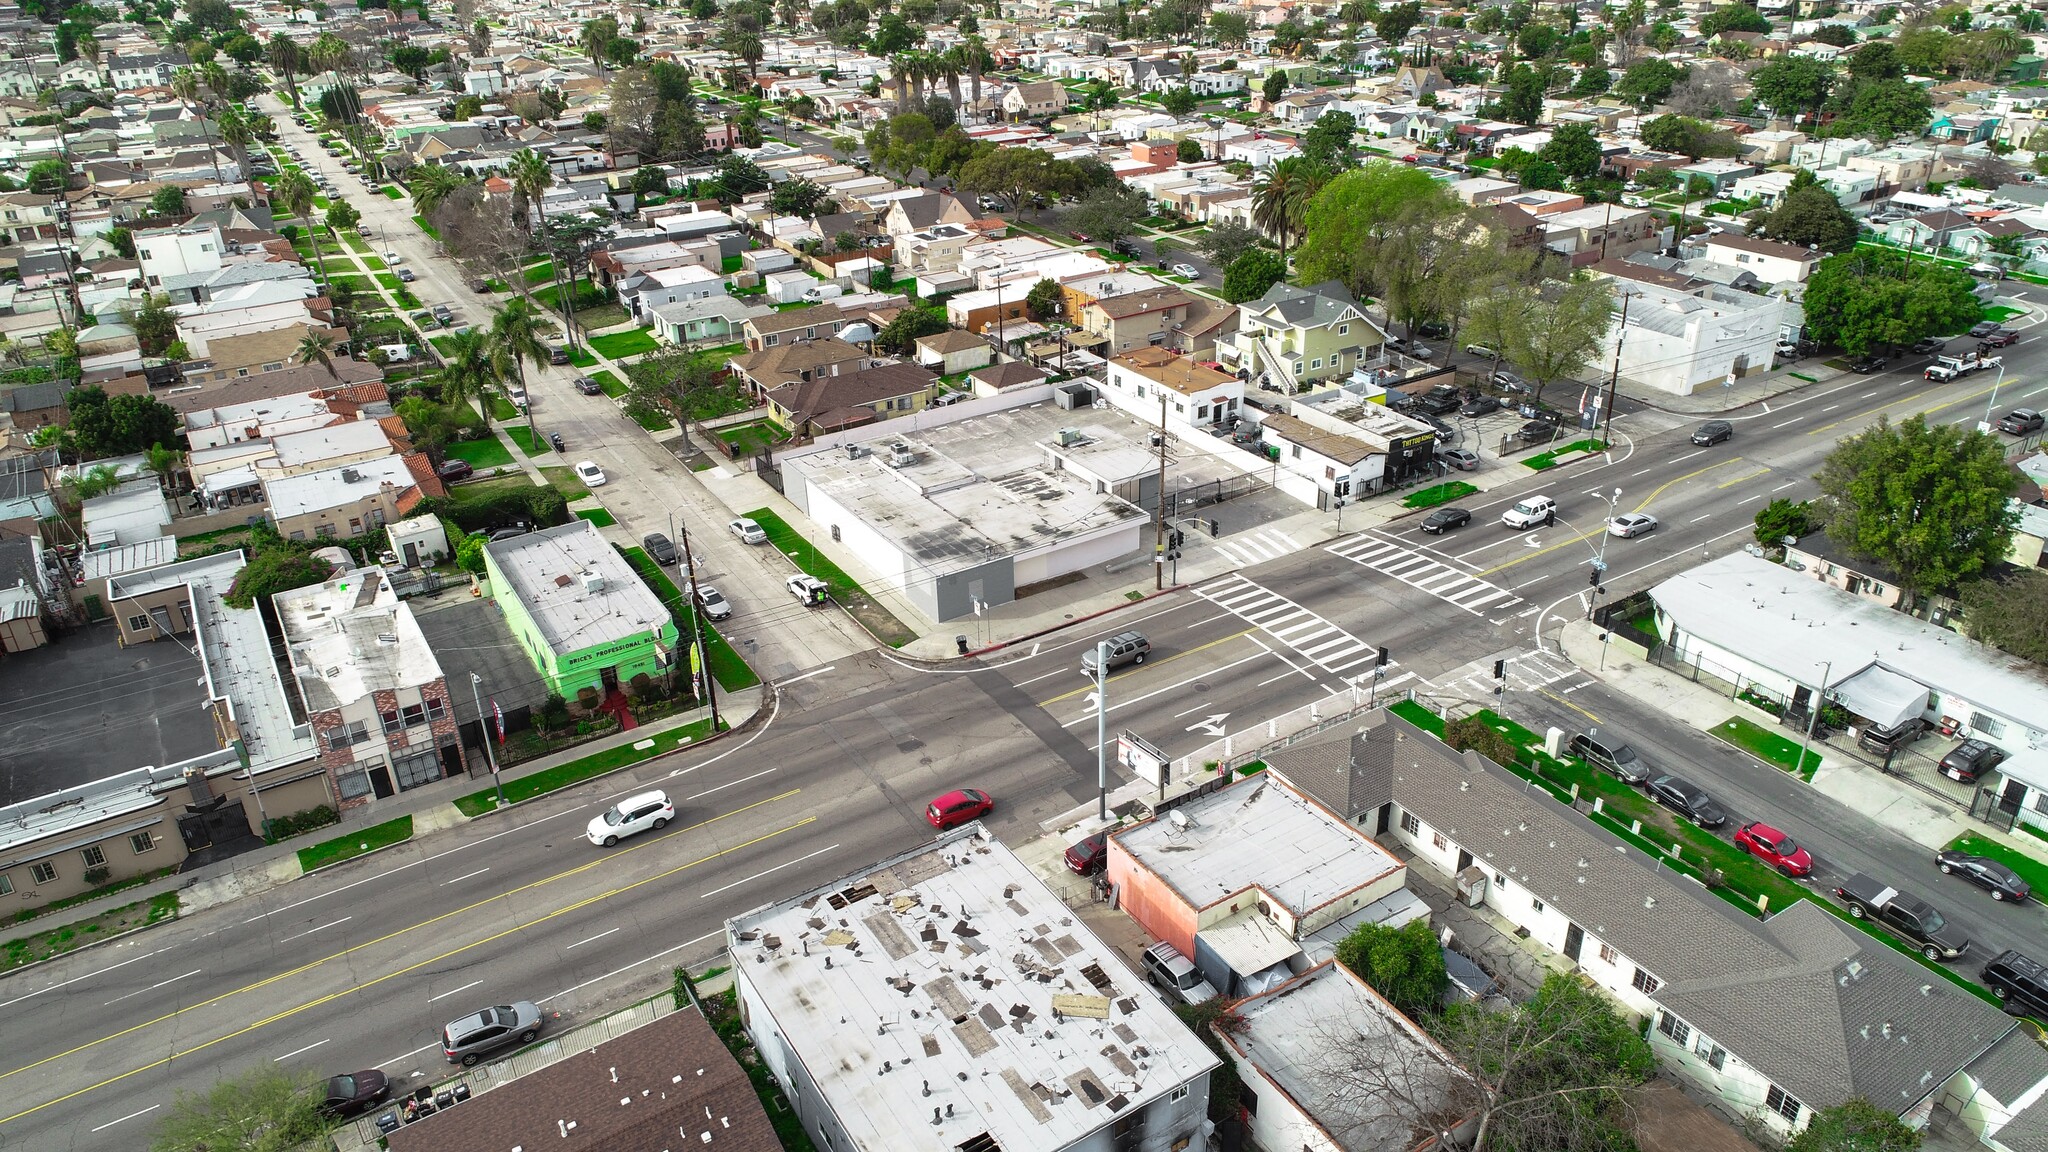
x=356, y=1092
x=659, y=549
x=1984, y=329
x=456, y=470
x=1712, y=433
x=1444, y=519
x=2002, y=882
x=2001, y=338
x=1682, y=796
x=1481, y=406
x=1089, y=856
x=1867, y=365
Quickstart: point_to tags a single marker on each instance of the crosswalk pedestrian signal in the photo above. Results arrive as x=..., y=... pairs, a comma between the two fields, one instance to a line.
x=1500, y=669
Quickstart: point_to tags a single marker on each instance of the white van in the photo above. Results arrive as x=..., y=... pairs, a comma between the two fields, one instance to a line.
x=1176, y=974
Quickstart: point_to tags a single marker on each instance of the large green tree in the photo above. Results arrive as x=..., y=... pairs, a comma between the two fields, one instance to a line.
x=1405, y=964
x=123, y=425
x=1695, y=139
x=1351, y=218
x=1867, y=299
x=1811, y=217
x=1928, y=501
x=1328, y=141
x=1107, y=214
x=1737, y=17
x=1649, y=82
x=1554, y=333
x=1791, y=85
x=2010, y=613
x=1573, y=150
x=1854, y=1126
x=1248, y=277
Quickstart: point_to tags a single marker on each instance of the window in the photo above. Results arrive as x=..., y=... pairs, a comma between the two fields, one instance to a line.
x=142, y=842
x=324, y=530
x=94, y=857
x=1644, y=982
x=771, y=340
x=353, y=785
x=415, y=715
x=1316, y=363
x=1500, y=881
x=43, y=872
x=355, y=526
x=1413, y=827
x=139, y=622
x=391, y=721
x=1672, y=1026
x=1437, y=841
x=1781, y=1102
x=1536, y=905
x=348, y=735
x=1296, y=451
x=6, y=884
x=1711, y=1052
x=1608, y=955
x=1180, y=1093
x=1988, y=726
x=415, y=770
x=1343, y=329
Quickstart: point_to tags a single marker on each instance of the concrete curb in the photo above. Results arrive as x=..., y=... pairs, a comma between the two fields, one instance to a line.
x=303, y=872
x=999, y=645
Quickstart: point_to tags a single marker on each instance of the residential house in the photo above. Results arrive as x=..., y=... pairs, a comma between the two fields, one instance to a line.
x=793, y=326
x=1294, y=337
x=710, y=320
x=1035, y=100
x=351, y=500
x=1155, y=387
x=952, y=352
x=773, y=367
x=1136, y=319
x=640, y=292
x=829, y=403
x=1699, y=334
x=1772, y=262
x=909, y=215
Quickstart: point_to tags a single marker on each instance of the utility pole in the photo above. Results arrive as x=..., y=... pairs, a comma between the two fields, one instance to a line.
x=1820, y=698
x=1102, y=730
x=1614, y=377
x=484, y=726
x=697, y=624
x=1159, y=507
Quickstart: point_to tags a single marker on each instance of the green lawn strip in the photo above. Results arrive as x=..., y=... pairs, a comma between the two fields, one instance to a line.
x=390, y=282
x=753, y=436
x=1438, y=494
x=55, y=941
x=730, y=265
x=576, y=771
x=597, y=516
x=393, y=192
x=654, y=421
x=442, y=344
x=527, y=441
x=566, y=482
x=1768, y=746
x=731, y=672
x=541, y=272
x=2033, y=869
x=429, y=229
x=1418, y=715
x=619, y=345
x=321, y=202
x=581, y=357
x=355, y=243
x=502, y=410
x=355, y=843
x=844, y=590
x=353, y=283
x=1543, y=460
x=375, y=263
x=489, y=453
x=612, y=385
x=1802, y=376
x=483, y=490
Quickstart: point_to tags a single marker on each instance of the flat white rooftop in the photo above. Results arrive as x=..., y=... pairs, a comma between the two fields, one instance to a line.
x=328, y=488
x=950, y=977
x=549, y=571
x=350, y=637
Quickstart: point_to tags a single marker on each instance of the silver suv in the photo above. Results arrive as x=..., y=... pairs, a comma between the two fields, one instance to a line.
x=1122, y=648
x=471, y=1038
x=1616, y=757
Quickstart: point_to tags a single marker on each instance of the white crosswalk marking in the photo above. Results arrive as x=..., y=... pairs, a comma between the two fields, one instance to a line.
x=1251, y=548
x=1528, y=671
x=1424, y=574
x=1319, y=641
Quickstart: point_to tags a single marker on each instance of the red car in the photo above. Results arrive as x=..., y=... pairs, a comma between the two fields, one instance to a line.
x=1089, y=856
x=1774, y=848
x=958, y=807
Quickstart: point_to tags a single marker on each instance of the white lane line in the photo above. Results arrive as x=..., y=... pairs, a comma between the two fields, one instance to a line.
x=87, y=976
x=1209, y=620
x=807, y=675
x=465, y=876
x=1047, y=676
x=323, y=927
x=1271, y=679
x=1684, y=458
x=1644, y=472
x=289, y=1055
x=1787, y=484
x=1831, y=407
x=730, y=783
x=128, y=1117
x=606, y=976
x=1697, y=519
x=591, y=940
x=1789, y=423
x=1089, y=716
x=451, y=992
x=1866, y=395
x=153, y=987
x=1196, y=708
x=766, y=872
x=1747, y=499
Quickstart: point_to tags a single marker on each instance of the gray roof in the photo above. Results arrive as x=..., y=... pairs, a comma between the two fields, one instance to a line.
x=34, y=397
x=2012, y=1066
x=1313, y=307
x=2028, y=1131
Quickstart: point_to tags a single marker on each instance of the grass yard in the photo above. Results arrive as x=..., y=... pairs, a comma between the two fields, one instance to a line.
x=612, y=385
x=541, y=273
x=2000, y=313
x=731, y=672
x=654, y=421
x=349, y=281
x=355, y=243
x=2031, y=868
x=754, y=435
x=443, y=344
x=1438, y=494
x=392, y=191
x=600, y=317
x=501, y=409
x=619, y=345
x=576, y=771
x=844, y=590
x=39, y=946
x=566, y=482
x=389, y=282
x=483, y=490
x=429, y=229
x=527, y=441
x=597, y=516
x=730, y=265
x=581, y=357
x=1543, y=460
x=1768, y=746
x=482, y=454
x=375, y=263
x=357, y=843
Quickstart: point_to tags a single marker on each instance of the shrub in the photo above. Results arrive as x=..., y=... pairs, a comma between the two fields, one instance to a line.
x=297, y=823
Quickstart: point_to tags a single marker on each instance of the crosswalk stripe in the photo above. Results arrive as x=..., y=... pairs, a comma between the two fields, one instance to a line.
x=1443, y=581
x=1318, y=640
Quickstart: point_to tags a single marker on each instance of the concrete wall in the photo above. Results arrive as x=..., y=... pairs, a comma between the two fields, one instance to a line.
x=952, y=596
x=1150, y=900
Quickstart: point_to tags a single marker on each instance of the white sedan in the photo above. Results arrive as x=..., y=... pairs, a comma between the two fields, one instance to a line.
x=591, y=475
x=1630, y=524
x=1186, y=271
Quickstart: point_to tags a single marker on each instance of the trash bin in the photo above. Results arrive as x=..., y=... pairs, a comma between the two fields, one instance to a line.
x=961, y=642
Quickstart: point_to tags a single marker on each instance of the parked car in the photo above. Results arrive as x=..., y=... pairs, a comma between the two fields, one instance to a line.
x=558, y=355
x=471, y=1038
x=2002, y=882
x=1712, y=432
x=1984, y=329
x=1176, y=975
x=645, y=812
x=1088, y=856
x=1969, y=760
x=1479, y=350
x=1883, y=738
x=589, y=387
x=444, y=314
x=2019, y=982
x=660, y=549
x=555, y=442
x=1629, y=525
x=1480, y=406
x=748, y=531
x=1439, y=400
x=1611, y=756
x=1186, y=271
x=456, y=470
x=1685, y=797
x=1910, y=917
x=2001, y=338
x=591, y=475
x=1929, y=346
x=1774, y=848
x=715, y=605
x=1444, y=519
x=393, y=258
x=1537, y=431
x=1866, y=365
x=405, y=276
x=355, y=1092
x=480, y=285
x=1507, y=381
x=809, y=590
x=958, y=807
x=1463, y=459
x=2020, y=421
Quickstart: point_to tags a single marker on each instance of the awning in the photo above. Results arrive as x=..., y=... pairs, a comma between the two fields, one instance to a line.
x=1249, y=943
x=1881, y=696
x=229, y=481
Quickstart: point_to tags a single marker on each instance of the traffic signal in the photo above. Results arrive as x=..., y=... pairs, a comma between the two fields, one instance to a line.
x=1593, y=577
x=1383, y=657
x=1177, y=537
x=1500, y=669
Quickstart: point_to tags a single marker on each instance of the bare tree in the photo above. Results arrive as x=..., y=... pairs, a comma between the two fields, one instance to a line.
x=1707, y=91
x=474, y=232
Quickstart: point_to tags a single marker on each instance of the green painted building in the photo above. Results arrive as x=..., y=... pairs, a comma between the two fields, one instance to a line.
x=579, y=610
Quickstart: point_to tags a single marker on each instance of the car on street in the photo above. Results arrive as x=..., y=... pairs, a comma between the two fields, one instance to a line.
x=591, y=475
x=1970, y=759
x=1681, y=795
x=405, y=276
x=2020, y=421
x=2019, y=982
x=558, y=355
x=1480, y=406
x=1530, y=511
x=1413, y=349
x=443, y=314
x=555, y=442
x=958, y=807
x=2003, y=883
x=1866, y=365
x=808, y=589
x=393, y=258
x=1611, y=756
x=1444, y=519
x=644, y=812
x=1127, y=647
x=660, y=549
x=1774, y=848
x=714, y=604
x=1912, y=918
x=471, y=1038
x=1929, y=346
x=2001, y=338
x=1712, y=432
x=456, y=470
x=1463, y=459
x=1479, y=350
x=748, y=531
x=1186, y=271
x=1088, y=856
x=1984, y=329
x=516, y=393
x=589, y=387
x=355, y=1092
x=1787, y=350
x=1629, y=525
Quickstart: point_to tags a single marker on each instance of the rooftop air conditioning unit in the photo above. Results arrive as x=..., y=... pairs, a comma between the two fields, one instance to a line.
x=350, y=476
x=856, y=451
x=900, y=455
x=593, y=583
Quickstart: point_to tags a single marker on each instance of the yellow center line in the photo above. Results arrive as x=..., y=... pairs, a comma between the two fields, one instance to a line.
x=2010, y=380
x=354, y=948
x=1090, y=687
x=1745, y=479
x=1585, y=536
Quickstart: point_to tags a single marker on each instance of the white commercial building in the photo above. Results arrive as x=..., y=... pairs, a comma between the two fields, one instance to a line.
x=1682, y=339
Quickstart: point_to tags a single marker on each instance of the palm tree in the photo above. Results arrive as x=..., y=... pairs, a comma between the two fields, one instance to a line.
x=978, y=59
x=531, y=175
x=432, y=184
x=515, y=339
x=295, y=192
x=948, y=66
x=89, y=49
x=237, y=133
x=899, y=75
x=186, y=85
x=747, y=47
x=287, y=61
x=467, y=372
x=327, y=52
x=317, y=346
x=480, y=37
x=216, y=78
x=1280, y=199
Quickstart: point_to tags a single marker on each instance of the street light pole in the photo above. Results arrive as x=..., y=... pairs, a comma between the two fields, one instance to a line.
x=682, y=529
x=490, y=756
x=1827, y=669
x=1992, y=404
x=1600, y=555
x=1102, y=730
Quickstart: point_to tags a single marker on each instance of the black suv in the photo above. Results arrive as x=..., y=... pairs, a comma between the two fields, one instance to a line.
x=1969, y=760
x=1865, y=365
x=1611, y=755
x=1683, y=796
x=1439, y=400
x=1891, y=737
x=2020, y=983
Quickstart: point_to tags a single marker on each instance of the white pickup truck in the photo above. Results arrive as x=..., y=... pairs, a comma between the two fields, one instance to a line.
x=1956, y=367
